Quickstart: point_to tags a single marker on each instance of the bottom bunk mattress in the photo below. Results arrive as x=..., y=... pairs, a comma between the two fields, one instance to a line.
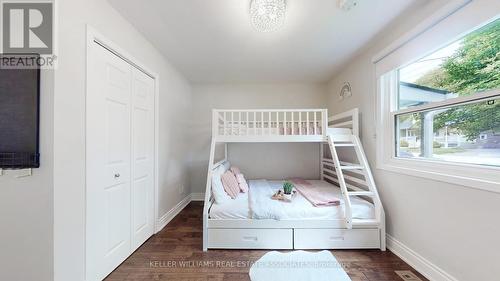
x=259, y=205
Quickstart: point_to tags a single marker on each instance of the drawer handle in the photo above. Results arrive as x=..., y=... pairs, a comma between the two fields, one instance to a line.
x=250, y=238
x=337, y=238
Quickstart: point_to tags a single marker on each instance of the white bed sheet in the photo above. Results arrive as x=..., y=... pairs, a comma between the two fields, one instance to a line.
x=303, y=209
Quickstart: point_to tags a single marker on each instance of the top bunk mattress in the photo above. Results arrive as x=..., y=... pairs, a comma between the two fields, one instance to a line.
x=299, y=208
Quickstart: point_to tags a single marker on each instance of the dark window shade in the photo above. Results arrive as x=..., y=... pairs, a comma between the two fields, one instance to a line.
x=19, y=118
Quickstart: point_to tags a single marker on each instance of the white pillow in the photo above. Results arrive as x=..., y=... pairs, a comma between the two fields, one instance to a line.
x=218, y=191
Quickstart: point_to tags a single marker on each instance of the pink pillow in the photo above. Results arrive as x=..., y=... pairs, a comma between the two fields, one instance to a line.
x=230, y=184
x=235, y=170
x=242, y=183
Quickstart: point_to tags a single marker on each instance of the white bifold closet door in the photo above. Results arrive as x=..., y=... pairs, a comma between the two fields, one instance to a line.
x=120, y=161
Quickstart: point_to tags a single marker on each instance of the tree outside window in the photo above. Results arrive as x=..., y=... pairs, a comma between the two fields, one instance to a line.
x=468, y=133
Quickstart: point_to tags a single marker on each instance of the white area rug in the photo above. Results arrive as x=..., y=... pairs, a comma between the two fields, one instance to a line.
x=298, y=266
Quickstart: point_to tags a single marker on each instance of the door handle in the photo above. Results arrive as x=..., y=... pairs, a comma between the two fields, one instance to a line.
x=250, y=238
x=117, y=175
x=337, y=238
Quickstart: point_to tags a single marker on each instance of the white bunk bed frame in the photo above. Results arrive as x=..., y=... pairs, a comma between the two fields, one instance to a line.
x=297, y=125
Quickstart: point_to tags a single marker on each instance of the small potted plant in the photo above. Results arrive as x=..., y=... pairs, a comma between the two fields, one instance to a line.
x=287, y=190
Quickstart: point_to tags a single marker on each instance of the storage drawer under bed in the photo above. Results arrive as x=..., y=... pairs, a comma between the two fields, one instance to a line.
x=250, y=238
x=336, y=238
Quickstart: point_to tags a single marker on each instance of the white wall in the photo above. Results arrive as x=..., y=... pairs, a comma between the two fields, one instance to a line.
x=454, y=227
x=275, y=161
x=69, y=174
x=26, y=206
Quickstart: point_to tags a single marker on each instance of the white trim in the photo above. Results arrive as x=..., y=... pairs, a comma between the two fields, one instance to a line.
x=418, y=262
x=198, y=196
x=423, y=26
x=462, y=100
x=469, y=176
x=170, y=215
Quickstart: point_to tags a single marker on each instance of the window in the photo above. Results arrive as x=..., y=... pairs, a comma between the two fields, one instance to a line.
x=454, y=134
x=447, y=104
x=438, y=98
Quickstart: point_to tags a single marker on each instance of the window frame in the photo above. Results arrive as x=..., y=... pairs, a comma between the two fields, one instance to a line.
x=471, y=175
x=455, y=19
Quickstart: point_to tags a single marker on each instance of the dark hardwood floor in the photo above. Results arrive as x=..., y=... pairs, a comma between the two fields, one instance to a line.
x=175, y=254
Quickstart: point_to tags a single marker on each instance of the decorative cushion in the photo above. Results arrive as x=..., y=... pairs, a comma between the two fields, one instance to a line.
x=218, y=191
x=230, y=184
x=242, y=183
x=236, y=171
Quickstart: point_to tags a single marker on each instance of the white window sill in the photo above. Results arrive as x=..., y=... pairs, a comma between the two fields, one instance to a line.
x=471, y=176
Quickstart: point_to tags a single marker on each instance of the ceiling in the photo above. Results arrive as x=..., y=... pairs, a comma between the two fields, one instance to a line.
x=213, y=40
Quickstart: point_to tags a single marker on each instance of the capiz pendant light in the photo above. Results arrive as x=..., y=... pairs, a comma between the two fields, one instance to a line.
x=267, y=15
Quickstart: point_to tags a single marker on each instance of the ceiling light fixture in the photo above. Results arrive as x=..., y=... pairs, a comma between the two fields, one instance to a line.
x=347, y=5
x=267, y=15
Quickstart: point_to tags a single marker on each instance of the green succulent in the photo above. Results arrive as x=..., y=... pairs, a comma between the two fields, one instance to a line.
x=287, y=187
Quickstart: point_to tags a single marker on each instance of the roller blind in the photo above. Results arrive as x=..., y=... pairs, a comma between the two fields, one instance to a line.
x=446, y=26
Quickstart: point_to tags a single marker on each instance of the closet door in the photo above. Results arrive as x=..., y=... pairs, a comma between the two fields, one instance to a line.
x=108, y=162
x=142, y=157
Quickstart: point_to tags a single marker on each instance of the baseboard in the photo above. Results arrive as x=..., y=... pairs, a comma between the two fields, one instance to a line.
x=419, y=263
x=198, y=196
x=166, y=218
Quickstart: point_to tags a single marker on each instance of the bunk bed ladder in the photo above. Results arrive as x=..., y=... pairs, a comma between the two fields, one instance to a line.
x=341, y=181
x=363, y=168
x=370, y=182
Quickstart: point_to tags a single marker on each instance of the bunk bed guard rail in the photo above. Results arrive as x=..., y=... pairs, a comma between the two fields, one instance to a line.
x=270, y=122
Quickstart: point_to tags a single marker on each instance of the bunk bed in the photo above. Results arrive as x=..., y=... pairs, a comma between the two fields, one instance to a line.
x=358, y=222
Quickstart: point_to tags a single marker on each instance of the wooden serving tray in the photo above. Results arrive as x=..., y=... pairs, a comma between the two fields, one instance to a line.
x=280, y=195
